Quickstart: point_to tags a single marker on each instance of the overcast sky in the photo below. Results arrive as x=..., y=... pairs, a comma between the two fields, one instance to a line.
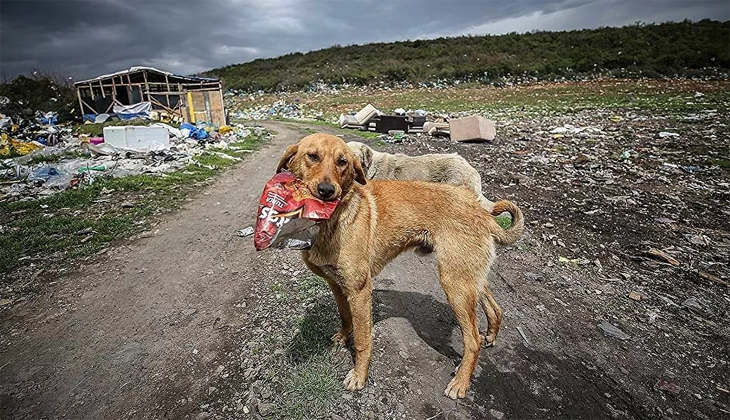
x=86, y=38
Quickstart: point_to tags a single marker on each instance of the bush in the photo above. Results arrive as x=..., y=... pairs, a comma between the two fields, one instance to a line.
x=665, y=49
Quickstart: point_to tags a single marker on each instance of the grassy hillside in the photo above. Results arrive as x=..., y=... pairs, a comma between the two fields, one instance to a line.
x=684, y=49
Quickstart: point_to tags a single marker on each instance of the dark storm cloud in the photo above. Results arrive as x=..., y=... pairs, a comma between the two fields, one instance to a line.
x=89, y=37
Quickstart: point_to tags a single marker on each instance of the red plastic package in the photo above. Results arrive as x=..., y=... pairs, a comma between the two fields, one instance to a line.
x=288, y=214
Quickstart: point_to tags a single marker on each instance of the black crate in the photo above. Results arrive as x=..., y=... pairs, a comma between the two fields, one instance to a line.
x=385, y=123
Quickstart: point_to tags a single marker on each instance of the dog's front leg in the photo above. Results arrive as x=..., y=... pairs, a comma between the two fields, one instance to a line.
x=340, y=337
x=361, y=308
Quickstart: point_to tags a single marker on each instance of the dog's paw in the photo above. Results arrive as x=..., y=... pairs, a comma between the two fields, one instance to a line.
x=340, y=338
x=488, y=340
x=353, y=381
x=456, y=389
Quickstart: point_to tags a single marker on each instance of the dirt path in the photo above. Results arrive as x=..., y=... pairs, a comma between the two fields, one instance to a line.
x=100, y=342
x=191, y=322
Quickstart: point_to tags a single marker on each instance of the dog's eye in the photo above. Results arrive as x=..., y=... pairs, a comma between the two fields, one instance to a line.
x=313, y=157
x=341, y=162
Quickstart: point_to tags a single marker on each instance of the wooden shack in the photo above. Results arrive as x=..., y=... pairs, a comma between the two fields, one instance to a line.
x=172, y=97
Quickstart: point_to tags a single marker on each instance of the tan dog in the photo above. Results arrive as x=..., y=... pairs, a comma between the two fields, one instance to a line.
x=374, y=223
x=443, y=168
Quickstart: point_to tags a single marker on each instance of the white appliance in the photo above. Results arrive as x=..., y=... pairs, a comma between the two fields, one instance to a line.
x=140, y=138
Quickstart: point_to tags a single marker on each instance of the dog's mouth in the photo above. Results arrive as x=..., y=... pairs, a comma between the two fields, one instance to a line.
x=325, y=195
x=331, y=198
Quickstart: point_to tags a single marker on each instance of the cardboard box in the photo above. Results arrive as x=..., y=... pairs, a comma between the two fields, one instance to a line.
x=473, y=128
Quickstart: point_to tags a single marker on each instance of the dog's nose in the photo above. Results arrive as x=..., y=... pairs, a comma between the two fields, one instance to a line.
x=325, y=190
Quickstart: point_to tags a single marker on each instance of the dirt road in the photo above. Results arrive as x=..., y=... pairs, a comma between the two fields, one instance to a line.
x=191, y=322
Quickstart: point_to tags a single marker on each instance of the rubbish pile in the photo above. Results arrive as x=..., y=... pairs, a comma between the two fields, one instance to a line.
x=282, y=108
x=472, y=128
x=32, y=169
x=22, y=131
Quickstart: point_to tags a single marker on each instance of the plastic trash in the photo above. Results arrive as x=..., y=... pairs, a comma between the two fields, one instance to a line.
x=101, y=118
x=288, y=214
x=664, y=134
x=49, y=118
x=245, y=232
x=51, y=177
x=173, y=131
x=197, y=133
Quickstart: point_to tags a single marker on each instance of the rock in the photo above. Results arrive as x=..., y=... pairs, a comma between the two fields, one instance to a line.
x=496, y=414
x=669, y=387
x=534, y=276
x=127, y=205
x=610, y=330
x=548, y=225
x=265, y=408
x=212, y=390
x=692, y=304
x=189, y=311
x=85, y=231
x=626, y=276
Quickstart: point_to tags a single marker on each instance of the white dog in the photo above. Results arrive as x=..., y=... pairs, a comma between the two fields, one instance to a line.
x=444, y=168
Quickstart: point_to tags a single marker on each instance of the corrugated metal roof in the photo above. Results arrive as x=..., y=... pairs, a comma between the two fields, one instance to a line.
x=145, y=68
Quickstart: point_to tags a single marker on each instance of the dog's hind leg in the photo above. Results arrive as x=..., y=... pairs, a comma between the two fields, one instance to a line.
x=493, y=313
x=340, y=337
x=462, y=296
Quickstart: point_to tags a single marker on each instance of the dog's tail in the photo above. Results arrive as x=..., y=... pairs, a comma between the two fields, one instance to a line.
x=511, y=235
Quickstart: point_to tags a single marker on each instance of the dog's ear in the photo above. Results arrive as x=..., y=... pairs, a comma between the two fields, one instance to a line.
x=359, y=174
x=288, y=156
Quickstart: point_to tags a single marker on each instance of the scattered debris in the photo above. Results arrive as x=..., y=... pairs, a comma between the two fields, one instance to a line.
x=248, y=231
x=712, y=277
x=665, y=134
x=85, y=231
x=522, y=334
x=661, y=256
x=41, y=170
x=635, y=296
